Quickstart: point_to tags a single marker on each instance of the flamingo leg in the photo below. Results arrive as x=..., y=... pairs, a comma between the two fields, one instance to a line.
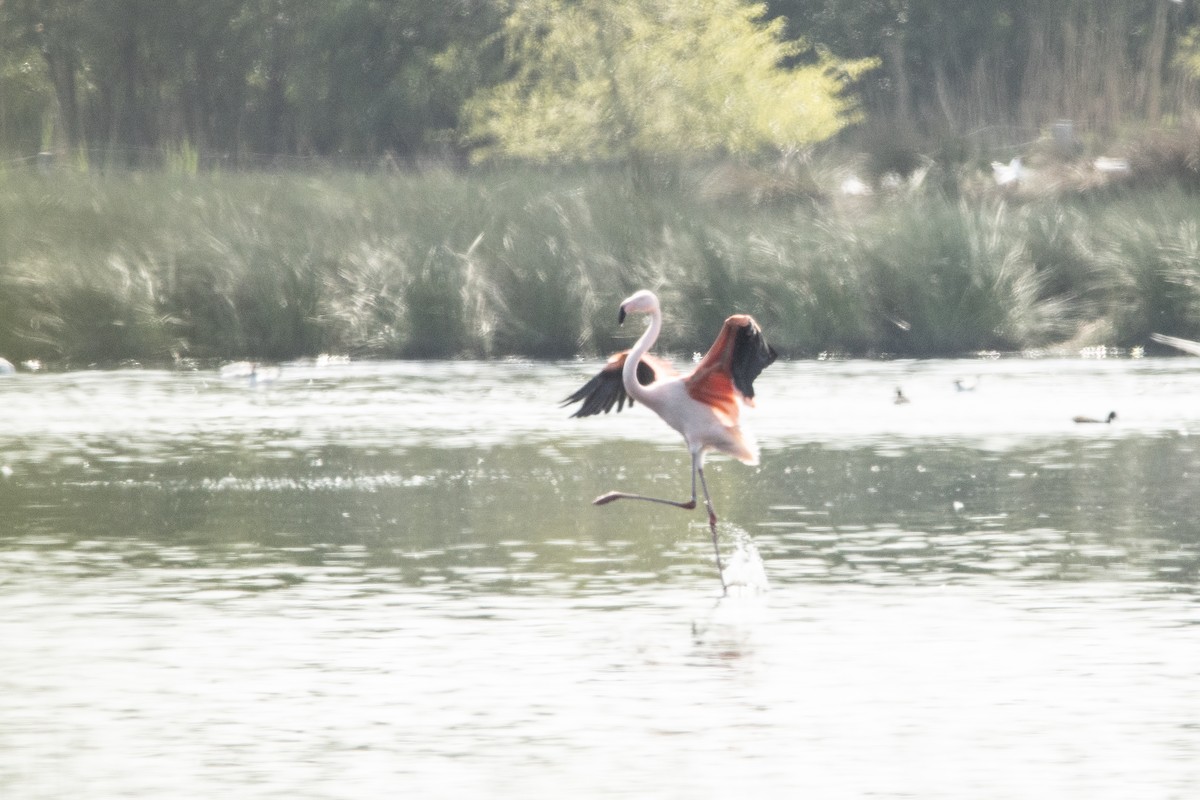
x=712, y=525
x=611, y=496
x=697, y=468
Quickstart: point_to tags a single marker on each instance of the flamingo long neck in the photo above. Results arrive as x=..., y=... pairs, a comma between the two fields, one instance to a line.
x=629, y=371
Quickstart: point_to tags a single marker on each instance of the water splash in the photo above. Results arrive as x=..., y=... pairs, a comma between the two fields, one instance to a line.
x=745, y=574
x=728, y=633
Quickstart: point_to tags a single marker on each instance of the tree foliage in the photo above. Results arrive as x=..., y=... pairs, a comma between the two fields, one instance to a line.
x=235, y=78
x=240, y=82
x=962, y=65
x=633, y=78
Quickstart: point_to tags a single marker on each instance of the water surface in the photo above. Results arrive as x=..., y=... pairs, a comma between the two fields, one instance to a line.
x=367, y=579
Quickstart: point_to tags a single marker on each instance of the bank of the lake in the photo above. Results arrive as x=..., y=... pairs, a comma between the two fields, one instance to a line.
x=103, y=268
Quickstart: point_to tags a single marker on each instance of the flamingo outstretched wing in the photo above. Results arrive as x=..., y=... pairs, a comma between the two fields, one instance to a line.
x=729, y=368
x=606, y=388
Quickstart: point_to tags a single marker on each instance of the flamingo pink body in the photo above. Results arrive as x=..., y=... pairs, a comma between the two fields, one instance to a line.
x=703, y=405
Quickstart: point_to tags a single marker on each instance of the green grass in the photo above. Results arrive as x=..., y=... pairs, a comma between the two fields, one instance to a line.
x=104, y=268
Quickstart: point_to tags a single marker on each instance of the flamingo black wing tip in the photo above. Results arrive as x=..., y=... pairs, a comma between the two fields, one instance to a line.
x=751, y=355
x=607, y=388
x=599, y=395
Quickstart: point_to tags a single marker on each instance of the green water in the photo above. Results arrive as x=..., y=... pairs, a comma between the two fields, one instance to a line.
x=372, y=579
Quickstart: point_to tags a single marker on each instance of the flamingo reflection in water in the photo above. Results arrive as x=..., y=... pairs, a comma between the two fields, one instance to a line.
x=703, y=405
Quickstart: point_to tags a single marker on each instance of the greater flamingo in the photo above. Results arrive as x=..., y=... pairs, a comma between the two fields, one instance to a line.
x=703, y=405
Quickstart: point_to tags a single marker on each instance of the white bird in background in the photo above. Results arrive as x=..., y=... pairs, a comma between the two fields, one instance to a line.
x=1107, y=165
x=703, y=405
x=1007, y=174
x=6, y=367
x=853, y=186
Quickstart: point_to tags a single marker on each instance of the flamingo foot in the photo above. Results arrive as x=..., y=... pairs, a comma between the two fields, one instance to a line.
x=608, y=498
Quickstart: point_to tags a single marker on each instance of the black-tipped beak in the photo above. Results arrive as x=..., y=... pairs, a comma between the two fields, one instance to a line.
x=621, y=316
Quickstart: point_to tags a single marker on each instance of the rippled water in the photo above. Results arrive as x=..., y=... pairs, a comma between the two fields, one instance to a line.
x=386, y=579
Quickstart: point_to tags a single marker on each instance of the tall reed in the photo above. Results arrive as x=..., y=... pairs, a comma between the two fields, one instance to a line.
x=100, y=268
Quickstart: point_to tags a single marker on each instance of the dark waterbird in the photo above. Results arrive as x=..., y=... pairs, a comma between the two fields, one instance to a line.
x=703, y=405
x=966, y=384
x=1111, y=416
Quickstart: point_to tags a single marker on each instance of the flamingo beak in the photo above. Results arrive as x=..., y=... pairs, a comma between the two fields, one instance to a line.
x=621, y=316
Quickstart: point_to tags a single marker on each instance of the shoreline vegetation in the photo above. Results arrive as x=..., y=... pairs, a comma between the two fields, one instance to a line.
x=160, y=267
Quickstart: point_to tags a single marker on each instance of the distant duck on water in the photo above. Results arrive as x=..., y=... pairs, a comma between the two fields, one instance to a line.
x=1111, y=416
x=901, y=399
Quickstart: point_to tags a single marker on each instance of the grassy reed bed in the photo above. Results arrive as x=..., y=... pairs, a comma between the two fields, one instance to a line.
x=153, y=267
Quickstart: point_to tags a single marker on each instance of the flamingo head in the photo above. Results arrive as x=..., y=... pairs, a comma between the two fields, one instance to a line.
x=640, y=302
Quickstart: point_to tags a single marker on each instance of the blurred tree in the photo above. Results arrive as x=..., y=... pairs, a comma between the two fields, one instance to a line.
x=1187, y=55
x=630, y=79
x=53, y=28
x=375, y=76
x=965, y=65
x=26, y=101
x=564, y=79
x=355, y=78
